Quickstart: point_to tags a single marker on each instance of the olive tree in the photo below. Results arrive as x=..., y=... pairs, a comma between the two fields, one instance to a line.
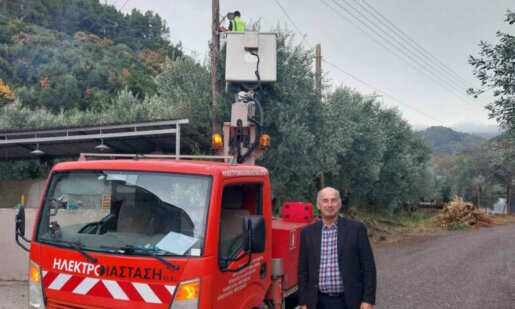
x=495, y=68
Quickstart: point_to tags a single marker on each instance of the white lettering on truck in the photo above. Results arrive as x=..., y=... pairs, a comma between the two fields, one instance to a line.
x=228, y=173
x=240, y=279
x=76, y=267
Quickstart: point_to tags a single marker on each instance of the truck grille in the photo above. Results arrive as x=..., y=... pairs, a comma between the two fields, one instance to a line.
x=58, y=304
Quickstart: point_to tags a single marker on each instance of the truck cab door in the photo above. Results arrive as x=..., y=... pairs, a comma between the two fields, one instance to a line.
x=237, y=285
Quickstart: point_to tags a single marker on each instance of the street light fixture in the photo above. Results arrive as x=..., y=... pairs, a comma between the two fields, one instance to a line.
x=102, y=146
x=37, y=151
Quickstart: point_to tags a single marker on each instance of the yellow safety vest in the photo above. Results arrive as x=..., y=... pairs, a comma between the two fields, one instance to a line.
x=237, y=25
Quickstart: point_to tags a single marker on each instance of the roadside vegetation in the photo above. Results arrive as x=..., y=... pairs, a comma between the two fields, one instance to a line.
x=399, y=226
x=402, y=226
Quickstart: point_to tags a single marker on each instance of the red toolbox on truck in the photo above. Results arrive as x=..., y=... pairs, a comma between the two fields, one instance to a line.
x=286, y=239
x=285, y=245
x=297, y=212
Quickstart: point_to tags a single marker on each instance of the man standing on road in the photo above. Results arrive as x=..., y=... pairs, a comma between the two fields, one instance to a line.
x=336, y=263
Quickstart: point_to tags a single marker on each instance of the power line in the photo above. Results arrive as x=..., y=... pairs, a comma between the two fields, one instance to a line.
x=303, y=37
x=358, y=79
x=415, y=53
x=384, y=93
x=433, y=76
x=420, y=48
x=413, y=44
x=386, y=47
x=120, y=9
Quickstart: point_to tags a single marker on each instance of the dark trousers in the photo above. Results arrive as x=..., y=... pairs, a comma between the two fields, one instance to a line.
x=331, y=302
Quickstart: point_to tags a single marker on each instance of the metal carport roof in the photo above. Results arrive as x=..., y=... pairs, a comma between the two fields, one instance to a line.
x=163, y=136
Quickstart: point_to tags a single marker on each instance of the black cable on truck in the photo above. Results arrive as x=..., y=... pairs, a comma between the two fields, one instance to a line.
x=259, y=123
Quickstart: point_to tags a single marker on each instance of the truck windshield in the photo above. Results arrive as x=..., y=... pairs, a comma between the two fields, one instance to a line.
x=106, y=211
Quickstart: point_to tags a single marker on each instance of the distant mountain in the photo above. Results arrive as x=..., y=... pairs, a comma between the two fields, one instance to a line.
x=444, y=140
x=486, y=135
x=484, y=130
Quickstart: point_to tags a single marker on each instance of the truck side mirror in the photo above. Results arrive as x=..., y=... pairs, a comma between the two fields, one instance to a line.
x=254, y=234
x=254, y=241
x=20, y=222
x=20, y=228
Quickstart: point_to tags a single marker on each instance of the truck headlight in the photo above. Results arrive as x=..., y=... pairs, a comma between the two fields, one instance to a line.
x=36, y=299
x=187, y=295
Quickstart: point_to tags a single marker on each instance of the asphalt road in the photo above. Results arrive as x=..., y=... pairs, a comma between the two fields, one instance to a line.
x=459, y=270
x=14, y=294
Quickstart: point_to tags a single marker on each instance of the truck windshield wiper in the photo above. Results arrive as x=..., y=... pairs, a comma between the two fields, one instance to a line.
x=131, y=249
x=77, y=245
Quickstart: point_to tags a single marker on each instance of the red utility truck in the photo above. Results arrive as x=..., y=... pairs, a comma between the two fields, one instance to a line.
x=159, y=233
x=155, y=232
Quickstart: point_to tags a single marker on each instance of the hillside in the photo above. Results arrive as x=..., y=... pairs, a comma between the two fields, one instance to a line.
x=444, y=140
x=65, y=55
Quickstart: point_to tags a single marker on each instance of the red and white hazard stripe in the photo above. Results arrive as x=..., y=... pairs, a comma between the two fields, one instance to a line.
x=121, y=290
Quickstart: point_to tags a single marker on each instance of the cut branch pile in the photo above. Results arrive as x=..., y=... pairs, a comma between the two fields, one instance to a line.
x=461, y=212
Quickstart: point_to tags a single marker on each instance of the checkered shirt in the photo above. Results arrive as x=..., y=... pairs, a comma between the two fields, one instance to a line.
x=329, y=279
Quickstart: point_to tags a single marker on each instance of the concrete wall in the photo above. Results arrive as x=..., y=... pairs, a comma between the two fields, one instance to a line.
x=12, y=190
x=14, y=261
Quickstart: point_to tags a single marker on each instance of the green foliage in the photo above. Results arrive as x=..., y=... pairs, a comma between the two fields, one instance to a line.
x=292, y=119
x=459, y=226
x=125, y=107
x=20, y=170
x=481, y=174
x=358, y=144
x=185, y=86
x=67, y=55
x=503, y=160
x=377, y=155
x=138, y=30
x=15, y=116
x=412, y=217
x=494, y=67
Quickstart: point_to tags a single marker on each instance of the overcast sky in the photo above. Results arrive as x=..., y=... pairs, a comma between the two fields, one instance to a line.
x=448, y=30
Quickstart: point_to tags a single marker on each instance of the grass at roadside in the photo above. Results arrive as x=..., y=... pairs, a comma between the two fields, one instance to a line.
x=389, y=229
x=503, y=219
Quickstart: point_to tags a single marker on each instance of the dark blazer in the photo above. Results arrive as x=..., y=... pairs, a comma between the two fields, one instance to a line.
x=355, y=259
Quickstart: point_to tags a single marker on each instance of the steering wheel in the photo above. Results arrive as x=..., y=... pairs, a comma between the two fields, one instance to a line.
x=99, y=227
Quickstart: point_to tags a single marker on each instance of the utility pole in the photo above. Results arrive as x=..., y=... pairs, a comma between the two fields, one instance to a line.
x=318, y=87
x=215, y=50
x=318, y=72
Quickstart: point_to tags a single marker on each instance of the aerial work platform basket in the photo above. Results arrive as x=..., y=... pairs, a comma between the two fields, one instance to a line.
x=248, y=51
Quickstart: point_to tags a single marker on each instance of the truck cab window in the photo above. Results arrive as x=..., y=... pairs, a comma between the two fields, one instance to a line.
x=112, y=210
x=238, y=201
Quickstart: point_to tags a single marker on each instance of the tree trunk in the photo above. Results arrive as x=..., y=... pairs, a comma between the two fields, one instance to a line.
x=507, y=203
x=479, y=198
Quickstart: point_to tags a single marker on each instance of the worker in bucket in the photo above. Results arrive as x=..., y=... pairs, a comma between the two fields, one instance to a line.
x=336, y=267
x=235, y=23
